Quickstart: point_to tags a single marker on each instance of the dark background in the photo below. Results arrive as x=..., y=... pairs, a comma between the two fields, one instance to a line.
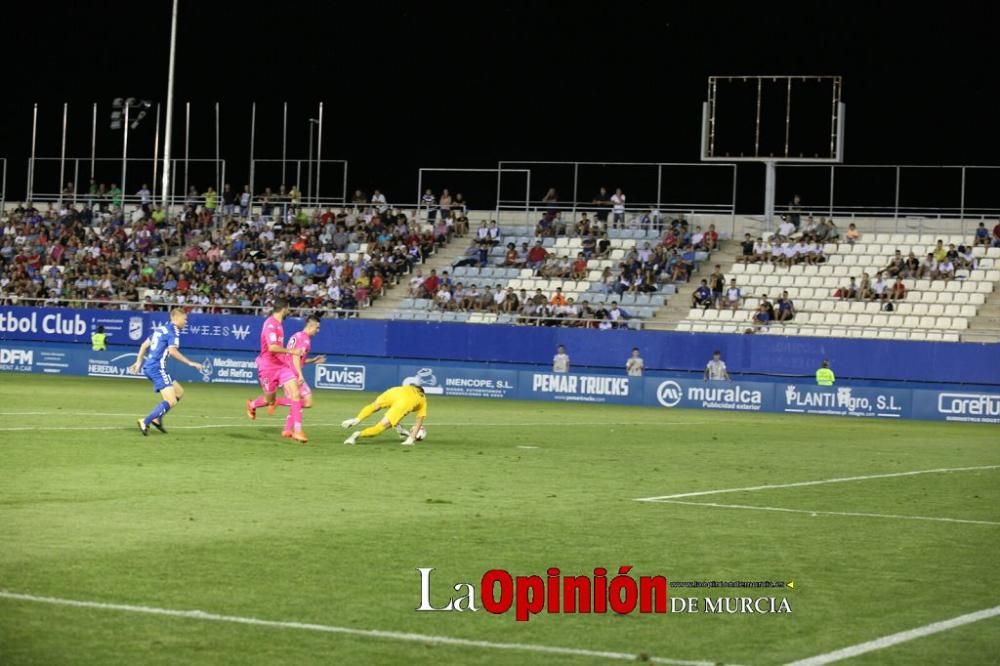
x=464, y=84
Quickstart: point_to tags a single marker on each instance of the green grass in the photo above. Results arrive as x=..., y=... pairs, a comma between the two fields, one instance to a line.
x=236, y=521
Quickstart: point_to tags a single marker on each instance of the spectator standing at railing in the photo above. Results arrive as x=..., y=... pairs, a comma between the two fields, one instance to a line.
x=378, y=200
x=795, y=211
x=116, y=196
x=429, y=203
x=444, y=204
x=145, y=197
x=603, y=202
x=228, y=200
x=245, y=199
x=618, y=208
x=211, y=200
x=550, y=203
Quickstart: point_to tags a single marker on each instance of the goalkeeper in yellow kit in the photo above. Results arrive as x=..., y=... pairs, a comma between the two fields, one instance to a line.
x=399, y=401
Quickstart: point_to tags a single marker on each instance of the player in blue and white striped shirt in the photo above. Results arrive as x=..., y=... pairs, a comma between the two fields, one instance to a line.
x=163, y=342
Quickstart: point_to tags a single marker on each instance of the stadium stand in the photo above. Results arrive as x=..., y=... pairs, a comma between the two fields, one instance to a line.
x=578, y=274
x=933, y=308
x=332, y=261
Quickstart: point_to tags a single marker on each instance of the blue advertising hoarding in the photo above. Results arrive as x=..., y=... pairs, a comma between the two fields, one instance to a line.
x=697, y=394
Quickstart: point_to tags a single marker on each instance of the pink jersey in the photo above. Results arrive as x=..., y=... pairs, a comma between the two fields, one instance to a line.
x=298, y=341
x=271, y=334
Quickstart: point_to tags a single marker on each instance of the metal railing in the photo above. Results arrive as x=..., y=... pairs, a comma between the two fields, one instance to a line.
x=822, y=181
x=669, y=204
x=78, y=195
x=310, y=198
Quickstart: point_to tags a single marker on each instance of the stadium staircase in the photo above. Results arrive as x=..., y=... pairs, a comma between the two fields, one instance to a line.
x=678, y=306
x=441, y=260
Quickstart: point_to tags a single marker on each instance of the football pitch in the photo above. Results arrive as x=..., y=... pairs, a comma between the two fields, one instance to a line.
x=221, y=543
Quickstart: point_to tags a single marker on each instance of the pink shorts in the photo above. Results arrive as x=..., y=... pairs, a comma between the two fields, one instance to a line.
x=273, y=378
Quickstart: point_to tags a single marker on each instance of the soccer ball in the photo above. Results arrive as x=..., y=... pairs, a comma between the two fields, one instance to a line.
x=421, y=434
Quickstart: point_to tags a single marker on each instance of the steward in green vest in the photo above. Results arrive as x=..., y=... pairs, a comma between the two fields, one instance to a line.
x=98, y=340
x=825, y=376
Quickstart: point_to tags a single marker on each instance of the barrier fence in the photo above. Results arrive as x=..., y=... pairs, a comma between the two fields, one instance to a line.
x=916, y=197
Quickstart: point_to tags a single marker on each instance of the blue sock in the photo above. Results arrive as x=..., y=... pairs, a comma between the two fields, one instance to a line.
x=157, y=412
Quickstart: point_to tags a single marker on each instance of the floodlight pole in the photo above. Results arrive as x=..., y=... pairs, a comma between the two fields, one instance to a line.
x=124, y=157
x=169, y=125
x=769, y=181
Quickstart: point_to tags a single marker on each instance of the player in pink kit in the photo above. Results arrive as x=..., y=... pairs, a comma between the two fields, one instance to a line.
x=272, y=371
x=301, y=340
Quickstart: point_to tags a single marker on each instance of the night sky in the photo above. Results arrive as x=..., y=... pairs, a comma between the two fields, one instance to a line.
x=467, y=83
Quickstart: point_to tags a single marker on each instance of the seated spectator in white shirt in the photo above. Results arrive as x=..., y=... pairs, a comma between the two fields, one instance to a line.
x=809, y=228
x=416, y=283
x=761, y=250
x=493, y=233
x=697, y=237
x=457, y=296
x=786, y=229
x=733, y=296
x=966, y=259
x=570, y=311
x=880, y=287
x=443, y=298
x=777, y=252
x=617, y=315
x=928, y=267
x=498, y=298
x=945, y=270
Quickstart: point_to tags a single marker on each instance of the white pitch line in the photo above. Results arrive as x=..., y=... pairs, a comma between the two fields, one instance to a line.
x=829, y=513
x=896, y=639
x=799, y=484
x=351, y=631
